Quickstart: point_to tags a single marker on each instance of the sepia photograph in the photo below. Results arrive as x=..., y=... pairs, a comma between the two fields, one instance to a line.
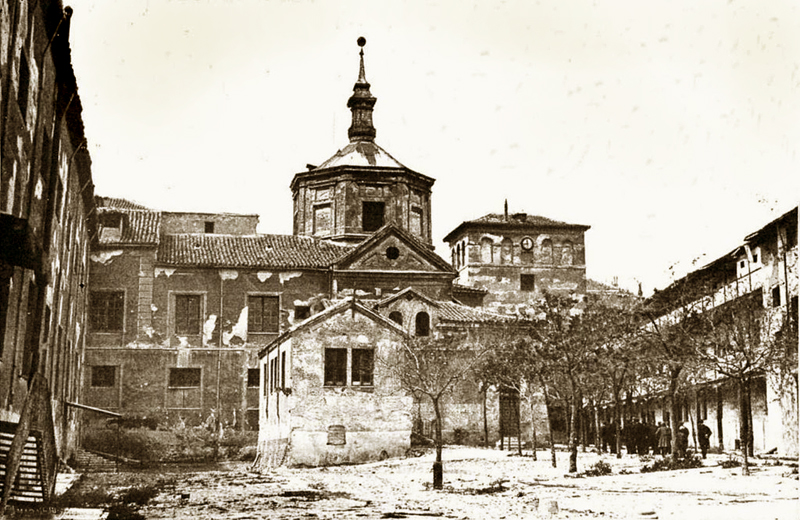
x=423, y=259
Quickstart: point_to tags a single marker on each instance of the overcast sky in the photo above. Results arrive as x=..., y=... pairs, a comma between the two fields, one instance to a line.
x=671, y=128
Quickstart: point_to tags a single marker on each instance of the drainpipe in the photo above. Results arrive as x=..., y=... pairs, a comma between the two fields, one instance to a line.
x=219, y=350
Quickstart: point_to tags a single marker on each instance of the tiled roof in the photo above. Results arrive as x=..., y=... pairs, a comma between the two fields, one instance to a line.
x=361, y=153
x=257, y=251
x=111, y=202
x=520, y=219
x=455, y=312
x=141, y=227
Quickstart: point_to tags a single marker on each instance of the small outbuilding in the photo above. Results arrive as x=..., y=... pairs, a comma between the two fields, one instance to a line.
x=327, y=396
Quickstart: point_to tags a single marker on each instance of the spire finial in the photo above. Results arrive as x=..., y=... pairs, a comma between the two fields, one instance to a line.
x=361, y=103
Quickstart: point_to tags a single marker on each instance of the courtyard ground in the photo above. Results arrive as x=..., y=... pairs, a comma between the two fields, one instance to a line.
x=479, y=484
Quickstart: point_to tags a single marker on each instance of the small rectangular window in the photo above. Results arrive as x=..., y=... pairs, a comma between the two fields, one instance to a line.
x=184, y=378
x=209, y=227
x=776, y=296
x=103, y=376
x=252, y=378
x=362, y=366
x=335, y=367
x=187, y=313
x=263, y=313
x=106, y=311
x=372, y=215
x=527, y=282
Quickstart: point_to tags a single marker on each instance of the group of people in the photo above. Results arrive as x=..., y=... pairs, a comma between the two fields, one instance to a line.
x=640, y=438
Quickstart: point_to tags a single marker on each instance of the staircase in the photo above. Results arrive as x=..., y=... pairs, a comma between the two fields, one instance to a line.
x=28, y=486
x=91, y=462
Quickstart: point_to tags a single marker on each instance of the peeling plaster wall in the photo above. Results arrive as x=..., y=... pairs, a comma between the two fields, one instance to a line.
x=375, y=420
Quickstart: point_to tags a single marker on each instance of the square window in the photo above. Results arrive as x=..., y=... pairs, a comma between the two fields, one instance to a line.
x=263, y=313
x=106, y=310
x=363, y=366
x=335, y=366
x=301, y=312
x=103, y=376
x=253, y=378
x=372, y=215
x=209, y=227
x=187, y=313
x=184, y=378
x=527, y=282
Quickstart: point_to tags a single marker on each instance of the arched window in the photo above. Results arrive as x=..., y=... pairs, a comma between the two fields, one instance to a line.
x=506, y=251
x=547, y=251
x=397, y=317
x=567, y=254
x=423, y=324
x=486, y=250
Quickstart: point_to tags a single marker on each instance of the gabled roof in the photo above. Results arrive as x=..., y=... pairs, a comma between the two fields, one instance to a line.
x=407, y=238
x=361, y=153
x=513, y=221
x=408, y=291
x=349, y=304
x=255, y=251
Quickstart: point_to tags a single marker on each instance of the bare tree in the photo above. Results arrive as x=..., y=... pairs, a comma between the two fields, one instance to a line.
x=432, y=368
x=742, y=341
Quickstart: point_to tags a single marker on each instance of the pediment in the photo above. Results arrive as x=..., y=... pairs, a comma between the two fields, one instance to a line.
x=391, y=249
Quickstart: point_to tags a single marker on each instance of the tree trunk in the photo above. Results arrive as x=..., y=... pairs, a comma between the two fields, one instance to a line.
x=720, y=437
x=533, y=430
x=573, y=435
x=438, y=478
x=598, y=442
x=549, y=424
x=743, y=426
x=673, y=407
x=519, y=426
x=485, y=421
x=617, y=424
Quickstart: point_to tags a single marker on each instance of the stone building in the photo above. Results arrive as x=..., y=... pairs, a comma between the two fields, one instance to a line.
x=47, y=220
x=763, y=268
x=514, y=258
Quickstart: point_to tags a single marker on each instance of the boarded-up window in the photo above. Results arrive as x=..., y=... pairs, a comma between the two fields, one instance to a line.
x=567, y=254
x=416, y=221
x=372, y=215
x=547, y=251
x=104, y=376
x=187, y=313
x=506, y=251
x=486, y=250
x=336, y=435
x=335, y=366
x=263, y=313
x=362, y=366
x=184, y=390
x=184, y=377
x=322, y=220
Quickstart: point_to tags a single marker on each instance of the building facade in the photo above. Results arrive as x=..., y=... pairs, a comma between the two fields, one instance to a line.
x=47, y=221
x=516, y=257
x=762, y=270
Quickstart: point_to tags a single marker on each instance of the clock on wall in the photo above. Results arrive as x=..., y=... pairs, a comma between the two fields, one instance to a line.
x=526, y=243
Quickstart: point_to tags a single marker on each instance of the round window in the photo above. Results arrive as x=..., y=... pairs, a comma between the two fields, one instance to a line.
x=392, y=253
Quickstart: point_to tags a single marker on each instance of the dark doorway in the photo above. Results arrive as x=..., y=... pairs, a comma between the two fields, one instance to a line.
x=509, y=413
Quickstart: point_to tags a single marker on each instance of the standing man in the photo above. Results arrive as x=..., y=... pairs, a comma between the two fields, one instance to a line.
x=664, y=434
x=704, y=437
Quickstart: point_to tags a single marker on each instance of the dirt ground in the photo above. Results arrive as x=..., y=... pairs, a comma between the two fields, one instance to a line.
x=479, y=484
